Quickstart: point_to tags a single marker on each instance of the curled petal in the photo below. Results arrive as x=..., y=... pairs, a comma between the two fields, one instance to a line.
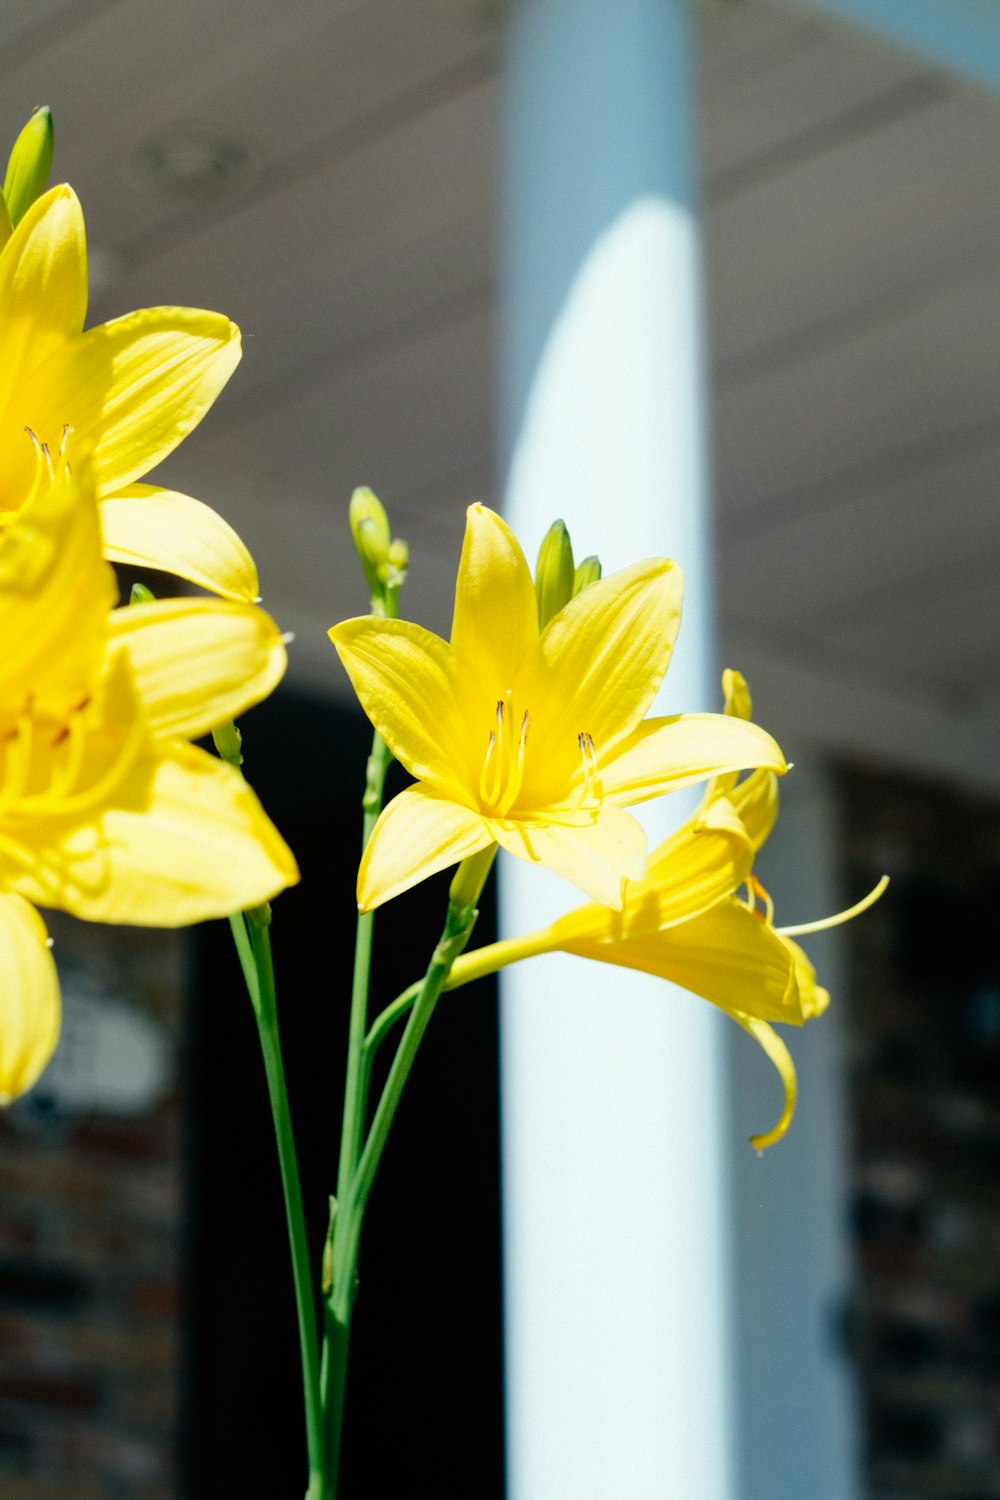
x=813, y=998
x=29, y=997
x=781, y=1057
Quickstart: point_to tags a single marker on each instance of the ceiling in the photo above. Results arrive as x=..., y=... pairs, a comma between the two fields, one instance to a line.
x=852, y=230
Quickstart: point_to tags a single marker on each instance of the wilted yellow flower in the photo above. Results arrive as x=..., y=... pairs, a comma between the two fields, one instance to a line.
x=106, y=810
x=532, y=739
x=685, y=921
x=129, y=390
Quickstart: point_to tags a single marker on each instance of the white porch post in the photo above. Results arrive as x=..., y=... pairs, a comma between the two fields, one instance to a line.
x=615, y=1127
x=799, y=1429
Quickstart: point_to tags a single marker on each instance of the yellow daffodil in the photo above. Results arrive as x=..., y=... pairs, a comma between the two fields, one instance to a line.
x=129, y=390
x=532, y=739
x=106, y=810
x=685, y=921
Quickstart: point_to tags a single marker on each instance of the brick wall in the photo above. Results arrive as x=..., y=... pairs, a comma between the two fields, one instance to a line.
x=925, y=1094
x=90, y=1215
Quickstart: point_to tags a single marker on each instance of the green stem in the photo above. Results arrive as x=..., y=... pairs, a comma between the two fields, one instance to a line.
x=471, y=966
x=386, y=1020
x=351, y=1203
x=253, y=944
x=336, y=1328
x=456, y=933
x=355, y=1087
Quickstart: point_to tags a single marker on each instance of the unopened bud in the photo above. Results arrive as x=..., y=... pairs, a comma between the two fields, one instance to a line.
x=383, y=556
x=229, y=743
x=29, y=163
x=393, y=571
x=553, y=573
x=140, y=594
x=589, y=571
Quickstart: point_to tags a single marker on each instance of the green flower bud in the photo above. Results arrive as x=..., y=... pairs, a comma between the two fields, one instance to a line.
x=140, y=594
x=553, y=573
x=229, y=743
x=29, y=163
x=588, y=572
x=383, y=557
x=393, y=570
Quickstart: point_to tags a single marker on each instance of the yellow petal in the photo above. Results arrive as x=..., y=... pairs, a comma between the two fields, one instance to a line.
x=131, y=390
x=55, y=594
x=603, y=659
x=707, y=858
x=197, y=662
x=43, y=294
x=151, y=527
x=664, y=754
x=727, y=955
x=6, y=228
x=813, y=998
x=418, y=834
x=756, y=801
x=780, y=1056
x=736, y=694
x=404, y=677
x=495, y=623
x=180, y=839
x=596, y=857
x=29, y=998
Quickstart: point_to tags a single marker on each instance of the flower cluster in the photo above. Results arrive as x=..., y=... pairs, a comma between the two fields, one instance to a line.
x=528, y=731
x=107, y=810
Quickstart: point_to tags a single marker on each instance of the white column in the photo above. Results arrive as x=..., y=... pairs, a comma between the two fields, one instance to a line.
x=799, y=1431
x=615, y=1127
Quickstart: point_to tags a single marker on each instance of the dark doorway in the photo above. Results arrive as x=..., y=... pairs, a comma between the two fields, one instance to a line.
x=424, y=1407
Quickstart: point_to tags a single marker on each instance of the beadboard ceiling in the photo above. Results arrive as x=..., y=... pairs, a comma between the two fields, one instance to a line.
x=852, y=223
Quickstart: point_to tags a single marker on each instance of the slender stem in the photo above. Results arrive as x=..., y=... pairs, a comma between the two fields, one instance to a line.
x=254, y=949
x=355, y=1087
x=386, y=1019
x=456, y=933
x=351, y=1204
x=469, y=966
x=337, y=1324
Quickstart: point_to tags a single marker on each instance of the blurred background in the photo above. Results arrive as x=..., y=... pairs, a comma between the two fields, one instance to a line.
x=327, y=174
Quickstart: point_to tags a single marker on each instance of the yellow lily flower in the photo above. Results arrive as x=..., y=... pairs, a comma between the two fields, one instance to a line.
x=683, y=921
x=106, y=810
x=130, y=391
x=532, y=739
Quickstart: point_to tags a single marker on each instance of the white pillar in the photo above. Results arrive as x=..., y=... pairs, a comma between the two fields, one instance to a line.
x=799, y=1429
x=615, y=1127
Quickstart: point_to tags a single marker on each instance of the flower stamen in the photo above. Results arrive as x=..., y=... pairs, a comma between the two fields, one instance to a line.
x=587, y=791
x=516, y=779
x=502, y=774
